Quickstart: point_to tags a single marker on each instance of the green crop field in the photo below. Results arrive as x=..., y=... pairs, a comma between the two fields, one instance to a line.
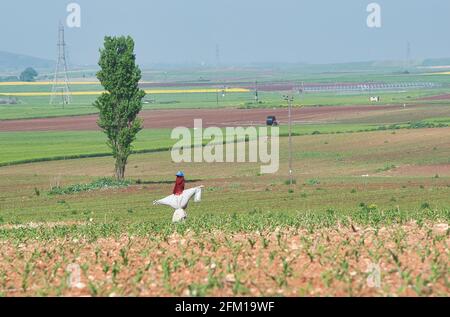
x=256, y=150
x=328, y=168
x=371, y=188
x=388, y=188
x=22, y=147
x=27, y=147
x=38, y=106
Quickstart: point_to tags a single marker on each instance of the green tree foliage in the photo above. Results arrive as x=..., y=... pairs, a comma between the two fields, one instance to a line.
x=122, y=101
x=28, y=74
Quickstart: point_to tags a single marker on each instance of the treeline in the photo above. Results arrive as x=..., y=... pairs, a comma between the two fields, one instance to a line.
x=9, y=79
x=28, y=75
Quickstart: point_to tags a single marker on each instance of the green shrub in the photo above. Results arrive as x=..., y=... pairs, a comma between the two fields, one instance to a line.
x=425, y=205
x=386, y=168
x=313, y=181
x=100, y=183
x=288, y=182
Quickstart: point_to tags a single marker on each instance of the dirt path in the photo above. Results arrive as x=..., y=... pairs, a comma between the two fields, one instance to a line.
x=438, y=97
x=211, y=117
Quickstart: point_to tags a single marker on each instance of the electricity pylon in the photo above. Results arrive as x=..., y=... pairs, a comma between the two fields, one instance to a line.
x=60, y=89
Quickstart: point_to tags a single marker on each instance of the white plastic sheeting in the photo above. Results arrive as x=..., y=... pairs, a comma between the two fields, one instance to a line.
x=180, y=202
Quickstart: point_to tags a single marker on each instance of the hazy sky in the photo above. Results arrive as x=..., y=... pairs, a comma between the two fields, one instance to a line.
x=187, y=31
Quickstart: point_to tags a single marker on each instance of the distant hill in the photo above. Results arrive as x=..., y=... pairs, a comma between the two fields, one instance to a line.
x=436, y=62
x=16, y=62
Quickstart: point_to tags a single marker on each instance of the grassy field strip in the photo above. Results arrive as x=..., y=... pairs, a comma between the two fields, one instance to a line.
x=151, y=91
x=27, y=147
x=42, y=147
x=37, y=106
x=437, y=73
x=46, y=83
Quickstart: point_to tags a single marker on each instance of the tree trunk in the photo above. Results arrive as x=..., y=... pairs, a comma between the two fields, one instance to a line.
x=120, y=168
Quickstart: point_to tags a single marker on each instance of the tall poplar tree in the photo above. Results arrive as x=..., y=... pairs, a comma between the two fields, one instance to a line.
x=120, y=105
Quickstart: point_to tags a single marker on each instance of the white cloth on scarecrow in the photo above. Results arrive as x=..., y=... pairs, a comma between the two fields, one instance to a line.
x=180, y=202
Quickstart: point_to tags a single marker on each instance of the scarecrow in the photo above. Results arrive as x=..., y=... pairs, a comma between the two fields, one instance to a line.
x=180, y=198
